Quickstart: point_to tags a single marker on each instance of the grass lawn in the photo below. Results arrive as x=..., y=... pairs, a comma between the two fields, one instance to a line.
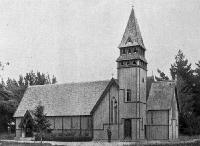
x=186, y=137
x=183, y=140
x=7, y=136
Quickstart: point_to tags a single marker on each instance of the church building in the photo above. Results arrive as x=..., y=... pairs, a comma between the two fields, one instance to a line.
x=133, y=106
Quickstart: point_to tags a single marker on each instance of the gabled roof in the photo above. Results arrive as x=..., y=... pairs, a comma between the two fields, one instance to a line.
x=63, y=99
x=161, y=95
x=27, y=116
x=112, y=82
x=132, y=35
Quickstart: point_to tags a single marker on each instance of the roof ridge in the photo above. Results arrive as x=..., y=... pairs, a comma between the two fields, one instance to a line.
x=56, y=84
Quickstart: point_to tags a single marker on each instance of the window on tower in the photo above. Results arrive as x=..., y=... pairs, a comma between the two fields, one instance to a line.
x=135, y=50
x=128, y=95
x=129, y=51
x=143, y=80
x=123, y=51
x=134, y=62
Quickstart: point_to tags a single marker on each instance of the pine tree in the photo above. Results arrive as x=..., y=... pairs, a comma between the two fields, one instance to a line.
x=41, y=124
x=181, y=71
x=162, y=76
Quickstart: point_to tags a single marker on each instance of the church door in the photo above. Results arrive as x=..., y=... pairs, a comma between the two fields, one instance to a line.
x=127, y=129
x=29, y=129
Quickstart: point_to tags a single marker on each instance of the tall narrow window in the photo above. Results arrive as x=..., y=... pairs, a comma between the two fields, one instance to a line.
x=115, y=111
x=128, y=95
x=123, y=51
x=129, y=51
x=151, y=117
x=111, y=111
x=135, y=50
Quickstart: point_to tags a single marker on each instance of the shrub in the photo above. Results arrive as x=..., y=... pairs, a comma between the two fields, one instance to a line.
x=62, y=137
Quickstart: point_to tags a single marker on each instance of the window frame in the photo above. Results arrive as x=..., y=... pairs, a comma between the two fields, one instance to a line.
x=128, y=95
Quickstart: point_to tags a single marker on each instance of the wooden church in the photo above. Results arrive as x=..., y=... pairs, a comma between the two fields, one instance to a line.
x=131, y=106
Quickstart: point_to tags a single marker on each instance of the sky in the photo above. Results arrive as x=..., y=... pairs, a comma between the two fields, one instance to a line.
x=77, y=40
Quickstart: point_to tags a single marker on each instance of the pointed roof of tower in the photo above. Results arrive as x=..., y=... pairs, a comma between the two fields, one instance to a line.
x=132, y=35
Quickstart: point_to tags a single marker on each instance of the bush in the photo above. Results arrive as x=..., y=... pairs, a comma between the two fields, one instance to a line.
x=189, y=124
x=62, y=137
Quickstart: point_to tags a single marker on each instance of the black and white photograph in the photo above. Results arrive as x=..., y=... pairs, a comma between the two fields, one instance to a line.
x=99, y=72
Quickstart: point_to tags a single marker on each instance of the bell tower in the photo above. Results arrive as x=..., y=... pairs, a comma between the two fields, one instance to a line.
x=132, y=74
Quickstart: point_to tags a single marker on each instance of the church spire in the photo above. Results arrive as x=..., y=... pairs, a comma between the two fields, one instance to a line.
x=132, y=35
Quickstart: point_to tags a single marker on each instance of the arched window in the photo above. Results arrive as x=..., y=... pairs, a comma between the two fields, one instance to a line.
x=113, y=111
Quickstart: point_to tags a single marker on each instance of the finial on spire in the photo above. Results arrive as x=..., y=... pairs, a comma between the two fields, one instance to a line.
x=132, y=4
x=112, y=75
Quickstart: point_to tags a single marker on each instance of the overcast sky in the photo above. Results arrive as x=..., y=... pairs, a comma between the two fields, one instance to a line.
x=76, y=40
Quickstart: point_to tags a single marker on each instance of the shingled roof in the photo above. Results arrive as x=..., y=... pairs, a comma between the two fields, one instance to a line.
x=132, y=35
x=150, y=80
x=161, y=95
x=62, y=99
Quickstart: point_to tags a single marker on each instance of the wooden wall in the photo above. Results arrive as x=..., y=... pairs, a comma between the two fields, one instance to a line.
x=157, y=125
x=70, y=125
x=163, y=124
x=18, y=129
x=134, y=79
x=102, y=117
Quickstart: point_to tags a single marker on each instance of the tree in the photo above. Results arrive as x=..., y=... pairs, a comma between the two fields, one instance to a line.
x=41, y=124
x=38, y=78
x=12, y=91
x=181, y=67
x=162, y=76
x=195, y=89
x=183, y=73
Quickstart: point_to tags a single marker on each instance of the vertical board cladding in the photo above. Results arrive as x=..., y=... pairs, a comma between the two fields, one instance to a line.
x=143, y=78
x=67, y=122
x=174, y=118
x=159, y=117
x=18, y=129
x=101, y=116
x=17, y=122
x=170, y=124
x=127, y=80
x=73, y=125
x=58, y=123
x=75, y=122
x=127, y=110
x=134, y=129
x=134, y=79
x=158, y=125
x=157, y=132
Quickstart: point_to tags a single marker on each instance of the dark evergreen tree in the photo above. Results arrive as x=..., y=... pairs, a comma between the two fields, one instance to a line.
x=41, y=124
x=162, y=76
x=12, y=91
x=182, y=72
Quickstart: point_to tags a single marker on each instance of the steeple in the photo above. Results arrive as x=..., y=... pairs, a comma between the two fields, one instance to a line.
x=132, y=35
